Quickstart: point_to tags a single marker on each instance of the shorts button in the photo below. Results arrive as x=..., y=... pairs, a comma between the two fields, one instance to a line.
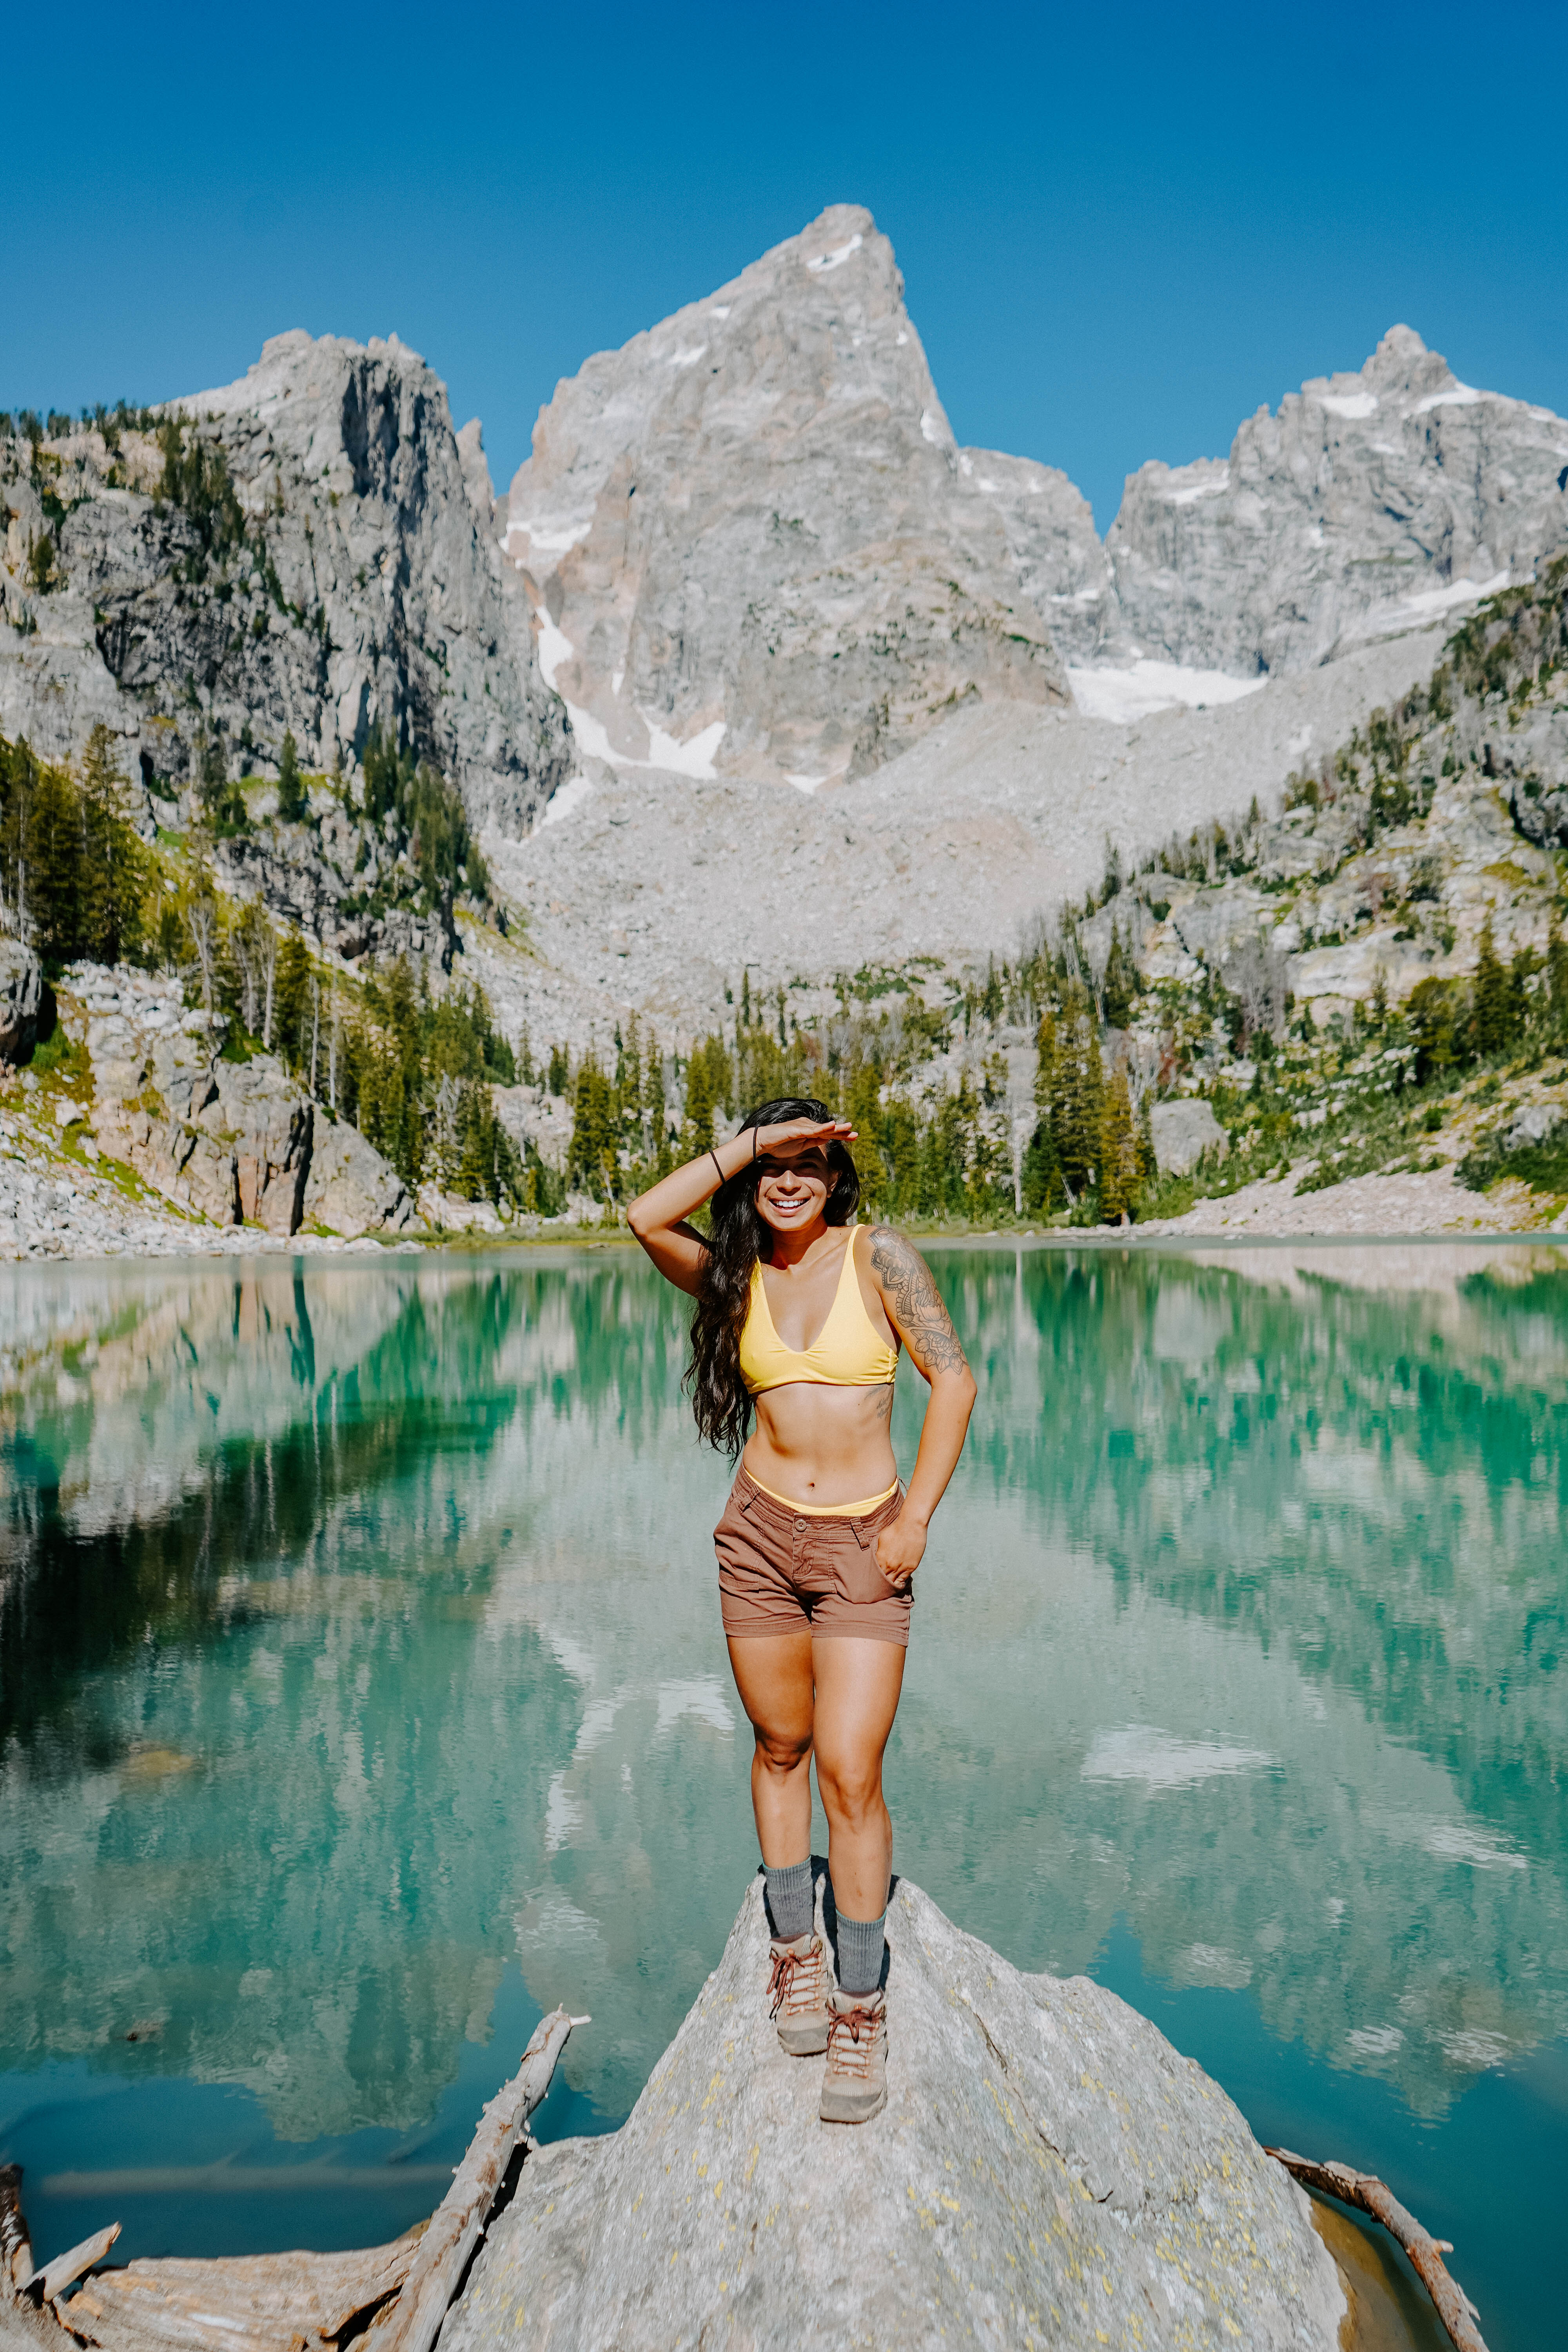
x=800, y=1526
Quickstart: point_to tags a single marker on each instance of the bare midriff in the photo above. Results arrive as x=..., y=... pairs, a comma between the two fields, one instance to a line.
x=827, y=1447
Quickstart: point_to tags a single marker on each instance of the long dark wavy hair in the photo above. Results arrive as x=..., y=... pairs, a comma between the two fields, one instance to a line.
x=737, y=1238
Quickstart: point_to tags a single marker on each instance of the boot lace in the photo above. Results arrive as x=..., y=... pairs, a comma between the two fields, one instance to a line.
x=786, y=1989
x=852, y=2040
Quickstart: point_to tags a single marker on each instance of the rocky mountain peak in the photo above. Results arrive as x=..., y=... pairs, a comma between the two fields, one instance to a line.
x=1402, y=363
x=760, y=487
x=1368, y=504
x=314, y=555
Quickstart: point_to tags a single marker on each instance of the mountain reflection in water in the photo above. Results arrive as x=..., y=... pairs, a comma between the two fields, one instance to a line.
x=359, y=1642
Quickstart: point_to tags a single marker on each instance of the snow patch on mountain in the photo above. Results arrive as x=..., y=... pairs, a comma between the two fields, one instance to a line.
x=1145, y=686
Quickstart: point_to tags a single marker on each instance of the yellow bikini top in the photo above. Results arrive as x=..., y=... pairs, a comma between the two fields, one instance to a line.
x=849, y=1353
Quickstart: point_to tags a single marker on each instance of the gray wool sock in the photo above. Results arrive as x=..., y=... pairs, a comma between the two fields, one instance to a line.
x=860, y=1946
x=790, y=1899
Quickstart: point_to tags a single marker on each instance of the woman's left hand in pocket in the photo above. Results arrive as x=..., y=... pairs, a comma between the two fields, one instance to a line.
x=898, y=1551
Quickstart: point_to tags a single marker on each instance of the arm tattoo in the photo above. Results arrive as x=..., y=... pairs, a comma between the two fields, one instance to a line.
x=918, y=1310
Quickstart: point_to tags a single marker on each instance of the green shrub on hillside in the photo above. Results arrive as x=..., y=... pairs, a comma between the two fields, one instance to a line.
x=1544, y=1166
x=429, y=818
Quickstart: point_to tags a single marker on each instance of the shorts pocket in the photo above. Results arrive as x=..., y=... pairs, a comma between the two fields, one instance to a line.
x=854, y=1569
x=731, y=1521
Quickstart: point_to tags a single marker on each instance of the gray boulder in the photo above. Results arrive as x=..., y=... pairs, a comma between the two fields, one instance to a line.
x=1048, y=2170
x=752, y=545
x=266, y=1122
x=1533, y=1123
x=21, y=1000
x=349, y=1188
x=1183, y=1131
x=532, y=1115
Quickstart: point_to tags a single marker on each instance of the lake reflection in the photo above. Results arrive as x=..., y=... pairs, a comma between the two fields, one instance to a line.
x=362, y=1688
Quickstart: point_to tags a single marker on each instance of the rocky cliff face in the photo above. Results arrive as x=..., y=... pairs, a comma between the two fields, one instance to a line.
x=317, y=557
x=1367, y=505
x=751, y=544
x=232, y=1142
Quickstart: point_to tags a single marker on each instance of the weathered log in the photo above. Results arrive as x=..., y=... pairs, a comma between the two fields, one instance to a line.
x=16, y=2252
x=237, y=2303
x=1371, y=2196
x=51, y=2282
x=281, y=2303
x=458, y=2222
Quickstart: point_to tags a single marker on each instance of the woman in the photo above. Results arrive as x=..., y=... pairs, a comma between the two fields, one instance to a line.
x=801, y=1321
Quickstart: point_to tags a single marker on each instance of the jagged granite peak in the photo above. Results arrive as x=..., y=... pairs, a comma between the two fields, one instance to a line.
x=367, y=589
x=1370, y=503
x=750, y=540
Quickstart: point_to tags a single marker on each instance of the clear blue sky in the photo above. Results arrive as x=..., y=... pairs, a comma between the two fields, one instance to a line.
x=1121, y=229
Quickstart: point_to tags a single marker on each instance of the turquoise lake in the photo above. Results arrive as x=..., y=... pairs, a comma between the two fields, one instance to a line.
x=362, y=1695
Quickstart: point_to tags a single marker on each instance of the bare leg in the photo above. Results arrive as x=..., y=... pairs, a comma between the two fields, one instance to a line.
x=773, y=1675
x=857, y=1686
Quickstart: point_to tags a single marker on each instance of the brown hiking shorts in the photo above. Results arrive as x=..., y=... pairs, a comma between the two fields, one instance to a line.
x=782, y=1572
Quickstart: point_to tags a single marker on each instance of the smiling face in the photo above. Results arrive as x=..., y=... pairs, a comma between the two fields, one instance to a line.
x=792, y=1194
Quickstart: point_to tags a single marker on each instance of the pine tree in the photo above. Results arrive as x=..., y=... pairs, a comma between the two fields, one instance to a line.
x=292, y=801
x=1120, y=985
x=1091, y=1111
x=591, y=1159
x=631, y=1079
x=1520, y=973
x=294, y=1004
x=653, y=1093
x=901, y=1152
x=1118, y=1150
x=1079, y=1100
x=1432, y=1016
x=1490, y=1016
x=1148, y=1163
x=1557, y=976
x=1047, y=1044
x=113, y=885
x=54, y=864
x=1042, y=1160
x=863, y=1110
x=703, y=1094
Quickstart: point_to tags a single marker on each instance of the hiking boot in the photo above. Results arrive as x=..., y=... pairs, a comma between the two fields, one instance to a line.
x=797, y=1994
x=855, y=2084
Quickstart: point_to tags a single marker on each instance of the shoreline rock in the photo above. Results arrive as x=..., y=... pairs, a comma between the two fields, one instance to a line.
x=1047, y=2170
x=146, y=1141
x=21, y=996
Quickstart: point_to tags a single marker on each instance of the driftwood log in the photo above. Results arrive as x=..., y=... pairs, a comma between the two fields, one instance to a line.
x=47, y=2285
x=247, y=2303
x=15, y=2253
x=458, y=2225
x=1373, y=2197
x=398, y=2295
